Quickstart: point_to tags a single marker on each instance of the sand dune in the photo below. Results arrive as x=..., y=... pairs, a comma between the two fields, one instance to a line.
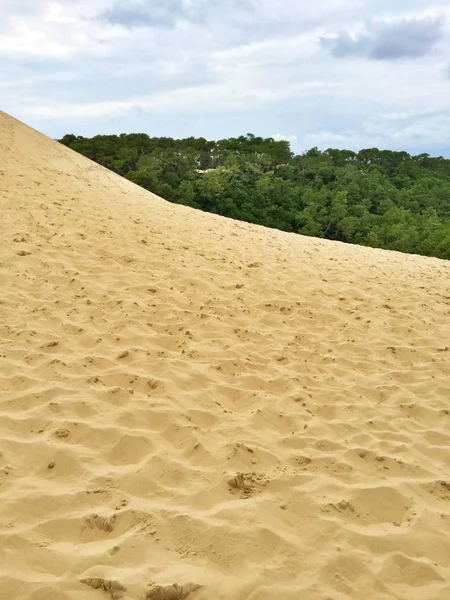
x=190, y=400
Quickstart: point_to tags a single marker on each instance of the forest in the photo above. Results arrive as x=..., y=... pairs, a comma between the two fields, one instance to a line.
x=373, y=197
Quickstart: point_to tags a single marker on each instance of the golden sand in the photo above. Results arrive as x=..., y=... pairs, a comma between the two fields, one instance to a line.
x=189, y=399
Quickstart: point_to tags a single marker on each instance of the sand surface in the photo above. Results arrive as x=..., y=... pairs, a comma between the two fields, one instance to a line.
x=189, y=399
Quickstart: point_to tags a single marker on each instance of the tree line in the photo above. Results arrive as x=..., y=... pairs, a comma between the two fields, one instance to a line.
x=373, y=197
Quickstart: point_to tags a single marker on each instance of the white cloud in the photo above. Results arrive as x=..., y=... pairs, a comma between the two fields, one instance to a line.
x=287, y=138
x=387, y=131
x=206, y=98
x=57, y=33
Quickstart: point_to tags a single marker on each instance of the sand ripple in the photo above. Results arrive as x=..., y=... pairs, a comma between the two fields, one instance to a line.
x=192, y=406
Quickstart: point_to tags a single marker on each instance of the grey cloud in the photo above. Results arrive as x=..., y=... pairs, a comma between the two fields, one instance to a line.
x=155, y=13
x=152, y=13
x=407, y=38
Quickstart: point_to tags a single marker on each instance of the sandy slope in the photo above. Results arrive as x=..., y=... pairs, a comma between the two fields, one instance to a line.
x=149, y=354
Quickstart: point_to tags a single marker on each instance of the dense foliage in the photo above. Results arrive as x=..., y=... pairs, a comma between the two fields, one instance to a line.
x=374, y=197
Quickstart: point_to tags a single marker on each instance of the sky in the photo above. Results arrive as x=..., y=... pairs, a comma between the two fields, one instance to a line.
x=336, y=73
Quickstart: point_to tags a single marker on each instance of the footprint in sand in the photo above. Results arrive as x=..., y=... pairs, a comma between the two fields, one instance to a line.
x=115, y=589
x=247, y=483
x=103, y=523
x=170, y=592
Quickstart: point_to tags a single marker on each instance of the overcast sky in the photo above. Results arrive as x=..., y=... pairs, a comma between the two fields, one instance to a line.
x=329, y=73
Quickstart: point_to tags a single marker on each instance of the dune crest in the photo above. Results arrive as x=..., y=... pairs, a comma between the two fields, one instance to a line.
x=187, y=398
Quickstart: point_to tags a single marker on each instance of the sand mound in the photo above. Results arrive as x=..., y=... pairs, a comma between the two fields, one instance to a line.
x=196, y=407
